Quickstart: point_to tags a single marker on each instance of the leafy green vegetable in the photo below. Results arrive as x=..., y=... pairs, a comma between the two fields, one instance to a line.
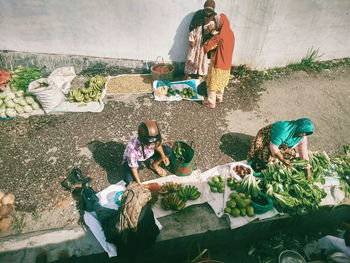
x=22, y=77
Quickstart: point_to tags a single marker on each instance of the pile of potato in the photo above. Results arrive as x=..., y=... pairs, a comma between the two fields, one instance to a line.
x=6, y=206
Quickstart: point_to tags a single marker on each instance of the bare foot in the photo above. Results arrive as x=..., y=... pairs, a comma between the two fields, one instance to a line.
x=159, y=170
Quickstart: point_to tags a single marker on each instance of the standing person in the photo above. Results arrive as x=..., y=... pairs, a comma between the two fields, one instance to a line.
x=201, y=28
x=279, y=140
x=220, y=49
x=140, y=148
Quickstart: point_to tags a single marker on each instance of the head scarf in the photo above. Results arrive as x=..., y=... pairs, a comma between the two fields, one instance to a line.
x=287, y=131
x=225, y=42
x=199, y=17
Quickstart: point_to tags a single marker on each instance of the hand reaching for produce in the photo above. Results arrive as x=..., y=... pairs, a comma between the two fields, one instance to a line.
x=165, y=160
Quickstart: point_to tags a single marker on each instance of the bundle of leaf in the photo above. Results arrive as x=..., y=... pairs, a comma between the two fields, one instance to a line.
x=217, y=184
x=239, y=204
x=189, y=192
x=249, y=185
x=12, y=104
x=22, y=77
x=290, y=190
x=91, y=92
x=172, y=202
x=169, y=187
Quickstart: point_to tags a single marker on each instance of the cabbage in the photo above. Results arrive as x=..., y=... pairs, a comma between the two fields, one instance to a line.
x=22, y=102
x=2, y=110
x=6, y=99
x=16, y=100
x=19, y=109
x=3, y=106
x=27, y=109
x=19, y=93
x=1, y=102
x=3, y=95
x=3, y=115
x=10, y=104
x=11, y=113
x=29, y=100
x=11, y=95
x=35, y=106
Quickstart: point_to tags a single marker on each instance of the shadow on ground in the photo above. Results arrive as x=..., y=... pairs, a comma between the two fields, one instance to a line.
x=109, y=156
x=235, y=145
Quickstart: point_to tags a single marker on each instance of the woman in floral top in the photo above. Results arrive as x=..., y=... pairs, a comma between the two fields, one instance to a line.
x=143, y=147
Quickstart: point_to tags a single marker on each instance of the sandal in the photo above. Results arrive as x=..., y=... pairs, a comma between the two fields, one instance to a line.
x=208, y=104
x=158, y=170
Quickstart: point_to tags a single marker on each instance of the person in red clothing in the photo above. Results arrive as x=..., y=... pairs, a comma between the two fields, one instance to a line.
x=220, y=49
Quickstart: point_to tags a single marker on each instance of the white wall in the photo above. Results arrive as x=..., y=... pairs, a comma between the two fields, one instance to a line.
x=269, y=33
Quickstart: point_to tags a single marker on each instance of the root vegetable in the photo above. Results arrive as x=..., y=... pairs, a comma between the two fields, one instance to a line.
x=5, y=210
x=1, y=195
x=5, y=223
x=8, y=199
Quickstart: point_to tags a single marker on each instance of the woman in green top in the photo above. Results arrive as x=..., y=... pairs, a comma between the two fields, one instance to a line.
x=279, y=140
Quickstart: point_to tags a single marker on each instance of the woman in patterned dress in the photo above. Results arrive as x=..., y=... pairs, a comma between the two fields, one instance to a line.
x=279, y=140
x=220, y=49
x=201, y=28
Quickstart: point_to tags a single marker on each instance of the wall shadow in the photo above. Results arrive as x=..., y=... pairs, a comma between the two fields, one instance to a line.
x=236, y=145
x=179, y=49
x=109, y=155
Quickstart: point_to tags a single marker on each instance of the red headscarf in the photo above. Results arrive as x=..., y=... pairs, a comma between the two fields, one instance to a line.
x=225, y=42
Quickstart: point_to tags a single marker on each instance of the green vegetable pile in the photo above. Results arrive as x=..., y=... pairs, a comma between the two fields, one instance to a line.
x=22, y=77
x=290, y=190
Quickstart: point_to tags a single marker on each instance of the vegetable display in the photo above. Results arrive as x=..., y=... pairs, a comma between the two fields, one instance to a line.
x=22, y=77
x=217, y=184
x=91, y=92
x=187, y=93
x=189, y=192
x=169, y=187
x=241, y=170
x=239, y=204
x=12, y=104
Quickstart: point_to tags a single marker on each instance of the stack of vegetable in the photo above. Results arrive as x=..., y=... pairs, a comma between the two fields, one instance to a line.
x=239, y=204
x=187, y=93
x=241, y=170
x=290, y=190
x=91, y=92
x=217, y=184
x=22, y=77
x=6, y=206
x=12, y=104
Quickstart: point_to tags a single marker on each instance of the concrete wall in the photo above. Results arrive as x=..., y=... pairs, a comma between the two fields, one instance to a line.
x=269, y=33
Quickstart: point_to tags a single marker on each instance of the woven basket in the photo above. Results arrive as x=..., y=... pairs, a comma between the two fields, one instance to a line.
x=162, y=71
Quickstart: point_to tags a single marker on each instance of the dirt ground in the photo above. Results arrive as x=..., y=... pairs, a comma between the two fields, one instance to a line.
x=37, y=153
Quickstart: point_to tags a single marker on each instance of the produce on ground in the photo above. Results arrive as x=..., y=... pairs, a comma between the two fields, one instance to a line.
x=12, y=104
x=341, y=168
x=130, y=84
x=189, y=192
x=239, y=204
x=232, y=183
x=290, y=190
x=217, y=184
x=187, y=93
x=169, y=187
x=241, y=170
x=172, y=92
x=249, y=185
x=6, y=207
x=23, y=76
x=172, y=202
x=91, y=92
x=162, y=91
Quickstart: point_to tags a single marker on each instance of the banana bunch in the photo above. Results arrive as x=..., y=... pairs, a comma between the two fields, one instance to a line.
x=97, y=83
x=189, y=192
x=172, y=202
x=169, y=187
x=91, y=92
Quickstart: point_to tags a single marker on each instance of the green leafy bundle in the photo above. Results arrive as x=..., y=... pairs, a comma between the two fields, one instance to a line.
x=23, y=76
